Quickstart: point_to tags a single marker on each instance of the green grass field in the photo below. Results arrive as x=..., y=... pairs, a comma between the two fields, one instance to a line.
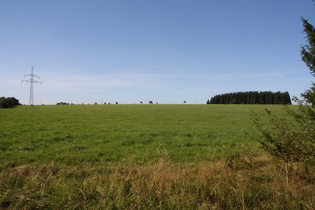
x=142, y=157
x=73, y=134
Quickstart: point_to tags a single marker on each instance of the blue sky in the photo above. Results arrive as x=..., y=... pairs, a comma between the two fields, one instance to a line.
x=166, y=51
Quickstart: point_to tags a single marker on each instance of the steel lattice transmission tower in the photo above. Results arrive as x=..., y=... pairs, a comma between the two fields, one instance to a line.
x=31, y=81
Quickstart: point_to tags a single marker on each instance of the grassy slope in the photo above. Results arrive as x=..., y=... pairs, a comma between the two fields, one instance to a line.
x=118, y=132
x=87, y=157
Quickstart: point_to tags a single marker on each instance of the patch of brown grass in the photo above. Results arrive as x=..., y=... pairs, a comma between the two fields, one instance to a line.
x=257, y=183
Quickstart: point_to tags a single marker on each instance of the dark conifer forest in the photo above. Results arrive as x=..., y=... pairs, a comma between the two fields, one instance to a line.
x=252, y=97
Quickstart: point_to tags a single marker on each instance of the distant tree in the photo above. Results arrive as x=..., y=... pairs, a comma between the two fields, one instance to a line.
x=8, y=102
x=141, y=102
x=150, y=102
x=116, y=102
x=62, y=103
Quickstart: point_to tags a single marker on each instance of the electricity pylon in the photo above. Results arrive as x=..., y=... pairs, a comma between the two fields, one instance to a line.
x=31, y=81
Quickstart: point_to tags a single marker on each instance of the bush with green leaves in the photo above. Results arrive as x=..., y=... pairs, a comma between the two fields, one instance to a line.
x=280, y=138
x=305, y=119
x=289, y=138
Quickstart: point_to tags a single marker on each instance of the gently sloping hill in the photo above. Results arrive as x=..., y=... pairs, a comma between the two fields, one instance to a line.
x=122, y=132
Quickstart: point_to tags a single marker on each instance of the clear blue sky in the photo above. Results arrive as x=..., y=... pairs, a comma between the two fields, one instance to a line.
x=167, y=51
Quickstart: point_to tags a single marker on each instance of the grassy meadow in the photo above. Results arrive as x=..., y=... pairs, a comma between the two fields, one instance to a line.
x=142, y=157
x=72, y=134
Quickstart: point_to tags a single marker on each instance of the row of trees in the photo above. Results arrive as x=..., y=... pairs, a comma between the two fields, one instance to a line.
x=65, y=103
x=8, y=102
x=252, y=97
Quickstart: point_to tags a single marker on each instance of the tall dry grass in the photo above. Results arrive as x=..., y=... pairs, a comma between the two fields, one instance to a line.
x=240, y=182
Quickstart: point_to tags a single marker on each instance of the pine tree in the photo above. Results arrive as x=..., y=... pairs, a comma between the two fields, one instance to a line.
x=308, y=56
x=294, y=141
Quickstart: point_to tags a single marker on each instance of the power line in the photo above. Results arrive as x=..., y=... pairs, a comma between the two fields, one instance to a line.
x=31, y=81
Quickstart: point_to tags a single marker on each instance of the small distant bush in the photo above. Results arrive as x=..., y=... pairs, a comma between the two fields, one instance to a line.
x=62, y=103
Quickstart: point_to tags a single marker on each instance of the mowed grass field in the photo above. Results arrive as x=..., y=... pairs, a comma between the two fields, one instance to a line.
x=76, y=133
x=143, y=157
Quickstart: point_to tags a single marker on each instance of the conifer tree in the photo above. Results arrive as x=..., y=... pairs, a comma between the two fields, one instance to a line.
x=308, y=56
x=294, y=141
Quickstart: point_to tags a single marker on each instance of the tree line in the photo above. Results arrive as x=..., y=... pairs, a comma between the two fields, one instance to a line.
x=252, y=97
x=8, y=102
